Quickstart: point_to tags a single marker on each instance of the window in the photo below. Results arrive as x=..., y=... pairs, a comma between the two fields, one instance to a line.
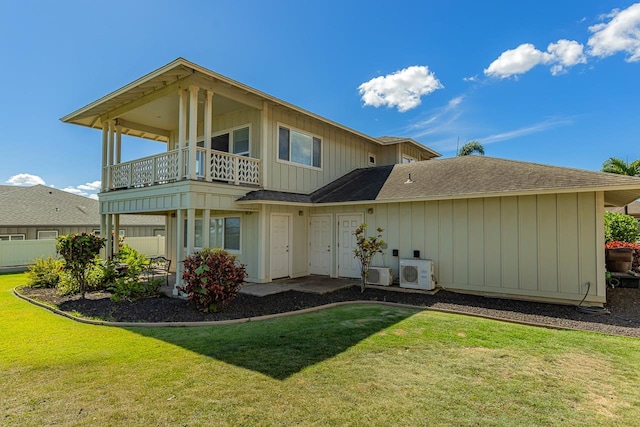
x=298, y=147
x=225, y=233
x=12, y=237
x=372, y=159
x=199, y=242
x=42, y=235
x=234, y=141
x=407, y=159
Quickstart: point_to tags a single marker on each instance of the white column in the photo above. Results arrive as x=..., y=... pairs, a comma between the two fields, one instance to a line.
x=182, y=131
x=262, y=245
x=116, y=236
x=107, y=234
x=208, y=107
x=193, y=129
x=118, y=144
x=191, y=231
x=105, y=140
x=179, y=249
x=103, y=231
x=264, y=146
x=206, y=219
x=111, y=146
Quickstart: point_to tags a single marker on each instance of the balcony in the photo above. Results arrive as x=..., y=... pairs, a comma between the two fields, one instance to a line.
x=172, y=166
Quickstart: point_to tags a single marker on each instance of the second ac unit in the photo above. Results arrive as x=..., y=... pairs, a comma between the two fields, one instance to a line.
x=417, y=274
x=379, y=276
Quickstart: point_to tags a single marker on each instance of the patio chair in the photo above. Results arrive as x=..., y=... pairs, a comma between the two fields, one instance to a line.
x=158, y=267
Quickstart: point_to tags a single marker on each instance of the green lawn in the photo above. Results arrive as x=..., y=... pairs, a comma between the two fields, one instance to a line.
x=354, y=365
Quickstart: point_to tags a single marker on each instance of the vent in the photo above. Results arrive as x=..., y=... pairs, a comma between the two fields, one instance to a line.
x=379, y=276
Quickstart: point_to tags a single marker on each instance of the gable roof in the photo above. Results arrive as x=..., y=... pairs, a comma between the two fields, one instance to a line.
x=178, y=72
x=467, y=177
x=41, y=205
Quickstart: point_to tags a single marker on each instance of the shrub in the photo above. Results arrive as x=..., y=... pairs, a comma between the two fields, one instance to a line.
x=45, y=272
x=620, y=227
x=212, y=279
x=131, y=289
x=79, y=251
x=136, y=262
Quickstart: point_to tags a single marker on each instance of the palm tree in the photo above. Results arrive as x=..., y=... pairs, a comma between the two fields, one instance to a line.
x=620, y=167
x=470, y=148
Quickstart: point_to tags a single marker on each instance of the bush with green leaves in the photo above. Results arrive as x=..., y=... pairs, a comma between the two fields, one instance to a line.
x=132, y=288
x=620, y=227
x=135, y=261
x=45, y=272
x=212, y=279
x=80, y=252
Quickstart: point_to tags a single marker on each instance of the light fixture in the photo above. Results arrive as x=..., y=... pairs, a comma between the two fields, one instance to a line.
x=370, y=211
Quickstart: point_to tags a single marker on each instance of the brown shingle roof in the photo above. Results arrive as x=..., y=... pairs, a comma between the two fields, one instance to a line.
x=41, y=205
x=476, y=176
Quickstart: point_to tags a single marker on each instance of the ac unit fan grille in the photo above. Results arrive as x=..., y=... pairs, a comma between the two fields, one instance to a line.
x=373, y=276
x=410, y=273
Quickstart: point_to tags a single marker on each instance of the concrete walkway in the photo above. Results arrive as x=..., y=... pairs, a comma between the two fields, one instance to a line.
x=309, y=284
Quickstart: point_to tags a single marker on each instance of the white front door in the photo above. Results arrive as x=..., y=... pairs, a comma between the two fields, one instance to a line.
x=348, y=264
x=280, y=259
x=320, y=245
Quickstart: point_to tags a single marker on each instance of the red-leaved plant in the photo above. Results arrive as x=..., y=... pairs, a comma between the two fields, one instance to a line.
x=212, y=279
x=616, y=245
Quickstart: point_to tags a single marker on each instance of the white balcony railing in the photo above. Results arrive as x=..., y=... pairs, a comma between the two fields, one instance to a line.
x=164, y=168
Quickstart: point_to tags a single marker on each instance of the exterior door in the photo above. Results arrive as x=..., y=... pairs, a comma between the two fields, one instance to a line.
x=348, y=264
x=320, y=245
x=280, y=259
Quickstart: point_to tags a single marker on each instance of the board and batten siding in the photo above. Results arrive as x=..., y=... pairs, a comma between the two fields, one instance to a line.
x=545, y=247
x=341, y=153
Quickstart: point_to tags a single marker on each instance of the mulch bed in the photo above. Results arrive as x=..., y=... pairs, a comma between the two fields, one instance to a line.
x=623, y=304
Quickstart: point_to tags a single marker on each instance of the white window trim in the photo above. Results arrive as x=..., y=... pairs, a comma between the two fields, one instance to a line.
x=230, y=131
x=10, y=236
x=47, y=231
x=208, y=230
x=369, y=157
x=289, y=162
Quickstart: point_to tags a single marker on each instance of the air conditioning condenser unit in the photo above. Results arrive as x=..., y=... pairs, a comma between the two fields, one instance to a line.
x=379, y=276
x=417, y=274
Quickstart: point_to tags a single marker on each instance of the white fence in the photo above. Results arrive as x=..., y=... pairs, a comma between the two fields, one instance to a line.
x=16, y=253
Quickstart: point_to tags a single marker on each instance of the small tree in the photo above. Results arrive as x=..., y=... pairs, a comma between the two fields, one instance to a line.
x=365, y=250
x=79, y=251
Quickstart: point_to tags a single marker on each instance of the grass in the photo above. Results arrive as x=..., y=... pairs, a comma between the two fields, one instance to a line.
x=353, y=365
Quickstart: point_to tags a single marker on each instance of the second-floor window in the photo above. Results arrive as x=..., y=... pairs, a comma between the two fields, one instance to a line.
x=298, y=147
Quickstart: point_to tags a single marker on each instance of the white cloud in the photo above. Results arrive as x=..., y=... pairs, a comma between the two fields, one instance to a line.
x=566, y=53
x=25, y=179
x=560, y=56
x=402, y=89
x=440, y=121
x=87, y=190
x=620, y=34
x=90, y=186
x=517, y=61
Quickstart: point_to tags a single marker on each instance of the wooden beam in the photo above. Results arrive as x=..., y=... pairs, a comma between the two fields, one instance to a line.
x=142, y=128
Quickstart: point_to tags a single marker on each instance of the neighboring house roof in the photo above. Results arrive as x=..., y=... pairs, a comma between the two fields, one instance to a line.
x=45, y=206
x=163, y=81
x=392, y=140
x=464, y=177
x=633, y=209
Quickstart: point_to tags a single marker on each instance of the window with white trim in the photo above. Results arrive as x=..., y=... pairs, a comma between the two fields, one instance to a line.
x=407, y=159
x=47, y=235
x=372, y=159
x=225, y=233
x=299, y=147
x=12, y=237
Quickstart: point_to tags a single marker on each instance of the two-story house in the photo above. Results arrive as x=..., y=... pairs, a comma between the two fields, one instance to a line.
x=284, y=189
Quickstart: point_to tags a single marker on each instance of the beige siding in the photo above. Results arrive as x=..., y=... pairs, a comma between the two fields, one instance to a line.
x=341, y=153
x=543, y=247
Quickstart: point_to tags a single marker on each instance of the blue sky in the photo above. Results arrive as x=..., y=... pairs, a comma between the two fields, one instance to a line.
x=555, y=82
